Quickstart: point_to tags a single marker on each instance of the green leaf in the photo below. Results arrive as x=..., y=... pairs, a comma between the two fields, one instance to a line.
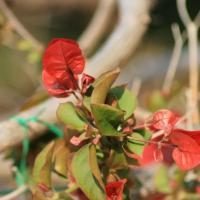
x=162, y=180
x=82, y=172
x=94, y=166
x=42, y=166
x=117, y=160
x=38, y=195
x=125, y=99
x=33, y=56
x=24, y=45
x=67, y=114
x=157, y=101
x=86, y=102
x=136, y=144
x=61, y=157
x=107, y=119
x=146, y=134
x=102, y=86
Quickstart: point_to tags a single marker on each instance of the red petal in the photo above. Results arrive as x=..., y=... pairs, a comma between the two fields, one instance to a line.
x=197, y=189
x=86, y=81
x=43, y=187
x=151, y=153
x=187, y=152
x=62, y=61
x=63, y=53
x=158, y=155
x=194, y=134
x=53, y=87
x=76, y=141
x=114, y=190
x=163, y=120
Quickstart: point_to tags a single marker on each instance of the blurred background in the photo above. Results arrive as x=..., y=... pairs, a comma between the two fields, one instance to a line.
x=20, y=63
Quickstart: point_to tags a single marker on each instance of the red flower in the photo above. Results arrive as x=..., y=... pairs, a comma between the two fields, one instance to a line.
x=163, y=120
x=186, y=153
x=197, y=189
x=62, y=63
x=182, y=146
x=86, y=81
x=114, y=190
x=153, y=152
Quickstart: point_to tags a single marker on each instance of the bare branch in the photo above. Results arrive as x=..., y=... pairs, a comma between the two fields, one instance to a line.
x=197, y=20
x=178, y=38
x=98, y=26
x=122, y=43
x=17, y=25
x=193, y=64
x=192, y=32
x=181, y=5
x=136, y=86
x=15, y=193
x=115, y=52
x=141, y=113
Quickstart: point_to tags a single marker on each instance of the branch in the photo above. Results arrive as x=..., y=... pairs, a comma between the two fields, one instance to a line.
x=15, y=193
x=197, y=20
x=122, y=43
x=179, y=40
x=115, y=52
x=181, y=6
x=192, y=31
x=98, y=26
x=18, y=26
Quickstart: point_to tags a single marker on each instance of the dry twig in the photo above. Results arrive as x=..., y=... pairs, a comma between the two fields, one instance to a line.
x=98, y=26
x=179, y=40
x=15, y=193
x=192, y=30
x=120, y=46
x=18, y=26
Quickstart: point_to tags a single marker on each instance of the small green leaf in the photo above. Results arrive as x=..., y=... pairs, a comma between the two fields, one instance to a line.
x=157, y=101
x=102, y=86
x=162, y=180
x=94, y=166
x=33, y=57
x=117, y=160
x=136, y=144
x=82, y=172
x=86, y=102
x=125, y=99
x=67, y=114
x=61, y=157
x=24, y=45
x=107, y=119
x=38, y=195
x=42, y=166
x=146, y=134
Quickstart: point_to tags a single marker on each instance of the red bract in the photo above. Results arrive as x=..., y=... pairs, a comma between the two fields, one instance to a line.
x=114, y=190
x=187, y=151
x=153, y=152
x=76, y=141
x=163, y=120
x=86, y=81
x=197, y=189
x=62, y=63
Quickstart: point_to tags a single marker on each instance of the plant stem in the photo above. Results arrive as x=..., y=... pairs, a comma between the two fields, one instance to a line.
x=193, y=67
x=15, y=193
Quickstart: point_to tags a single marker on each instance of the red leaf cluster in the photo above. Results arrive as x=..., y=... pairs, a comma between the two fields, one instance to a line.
x=180, y=145
x=114, y=190
x=163, y=120
x=62, y=63
x=86, y=81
